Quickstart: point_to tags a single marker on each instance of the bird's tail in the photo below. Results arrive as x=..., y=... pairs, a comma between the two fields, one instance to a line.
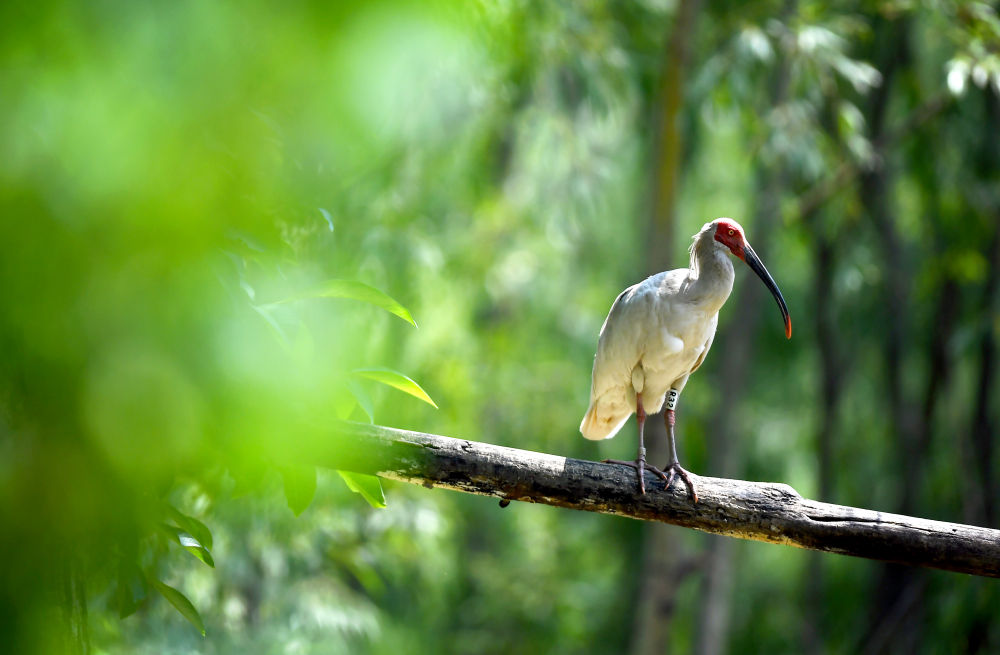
x=597, y=424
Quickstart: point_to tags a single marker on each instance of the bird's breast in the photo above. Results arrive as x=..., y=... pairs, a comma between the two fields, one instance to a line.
x=672, y=350
x=669, y=344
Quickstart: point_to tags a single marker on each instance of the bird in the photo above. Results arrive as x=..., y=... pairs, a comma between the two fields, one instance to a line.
x=658, y=333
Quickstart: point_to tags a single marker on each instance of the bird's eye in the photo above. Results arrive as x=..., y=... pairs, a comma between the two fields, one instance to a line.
x=732, y=232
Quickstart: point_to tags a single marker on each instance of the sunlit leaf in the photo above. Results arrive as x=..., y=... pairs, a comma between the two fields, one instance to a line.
x=196, y=528
x=396, y=380
x=247, y=289
x=368, y=486
x=300, y=487
x=189, y=543
x=958, y=74
x=181, y=603
x=754, y=41
x=355, y=290
x=327, y=218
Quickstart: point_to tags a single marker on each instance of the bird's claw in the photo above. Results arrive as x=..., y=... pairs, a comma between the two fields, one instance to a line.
x=640, y=465
x=676, y=471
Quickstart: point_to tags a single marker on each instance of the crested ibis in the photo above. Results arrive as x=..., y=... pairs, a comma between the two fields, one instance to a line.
x=658, y=333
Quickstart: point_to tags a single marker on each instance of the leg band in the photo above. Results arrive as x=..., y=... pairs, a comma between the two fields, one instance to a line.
x=672, y=396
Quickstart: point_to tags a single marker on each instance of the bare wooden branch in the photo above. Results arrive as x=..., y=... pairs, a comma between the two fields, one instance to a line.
x=749, y=510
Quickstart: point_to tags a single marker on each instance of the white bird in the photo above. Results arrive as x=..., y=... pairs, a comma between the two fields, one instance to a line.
x=658, y=333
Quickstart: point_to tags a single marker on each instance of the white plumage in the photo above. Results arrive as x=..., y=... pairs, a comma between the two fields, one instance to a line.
x=662, y=327
x=658, y=332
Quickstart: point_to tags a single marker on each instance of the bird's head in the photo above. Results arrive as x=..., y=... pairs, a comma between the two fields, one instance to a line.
x=730, y=234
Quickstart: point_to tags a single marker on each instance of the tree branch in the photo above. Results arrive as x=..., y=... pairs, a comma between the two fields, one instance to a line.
x=759, y=511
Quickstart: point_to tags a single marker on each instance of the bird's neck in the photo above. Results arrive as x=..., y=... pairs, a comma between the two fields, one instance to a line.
x=710, y=275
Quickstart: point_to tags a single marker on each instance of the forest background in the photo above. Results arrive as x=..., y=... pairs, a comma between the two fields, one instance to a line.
x=192, y=192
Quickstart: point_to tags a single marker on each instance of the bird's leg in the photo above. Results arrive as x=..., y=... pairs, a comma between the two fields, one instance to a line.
x=674, y=467
x=640, y=464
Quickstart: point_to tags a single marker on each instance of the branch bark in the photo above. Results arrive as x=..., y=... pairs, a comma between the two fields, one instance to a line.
x=759, y=511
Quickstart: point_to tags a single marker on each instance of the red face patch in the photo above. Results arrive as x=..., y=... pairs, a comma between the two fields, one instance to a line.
x=729, y=233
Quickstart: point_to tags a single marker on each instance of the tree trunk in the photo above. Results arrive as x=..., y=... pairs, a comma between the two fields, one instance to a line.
x=664, y=564
x=736, y=357
x=75, y=628
x=979, y=493
x=830, y=385
x=983, y=498
x=736, y=342
x=897, y=589
x=666, y=155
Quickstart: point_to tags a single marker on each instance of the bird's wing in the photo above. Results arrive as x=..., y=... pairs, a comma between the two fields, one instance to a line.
x=622, y=340
x=619, y=349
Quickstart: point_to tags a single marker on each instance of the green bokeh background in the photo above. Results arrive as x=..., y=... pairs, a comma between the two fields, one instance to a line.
x=170, y=171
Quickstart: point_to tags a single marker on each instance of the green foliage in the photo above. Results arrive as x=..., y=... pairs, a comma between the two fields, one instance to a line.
x=181, y=603
x=368, y=486
x=131, y=590
x=192, y=525
x=355, y=291
x=188, y=542
x=300, y=487
x=396, y=380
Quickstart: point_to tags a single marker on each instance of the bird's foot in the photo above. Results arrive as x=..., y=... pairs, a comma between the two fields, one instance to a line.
x=640, y=466
x=676, y=471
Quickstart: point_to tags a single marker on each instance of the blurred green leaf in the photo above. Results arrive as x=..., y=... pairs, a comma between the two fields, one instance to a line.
x=362, y=569
x=273, y=324
x=249, y=476
x=369, y=486
x=300, y=487
x=396, y=380
x=181, y=603
x=473, y=155
x=343, y=401
x=196, y=528
x=131, y=589
x=189, y=543
x=355, y=290
x=363, y=398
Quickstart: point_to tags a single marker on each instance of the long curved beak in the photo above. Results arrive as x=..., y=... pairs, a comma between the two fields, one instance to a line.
x=753, y=261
